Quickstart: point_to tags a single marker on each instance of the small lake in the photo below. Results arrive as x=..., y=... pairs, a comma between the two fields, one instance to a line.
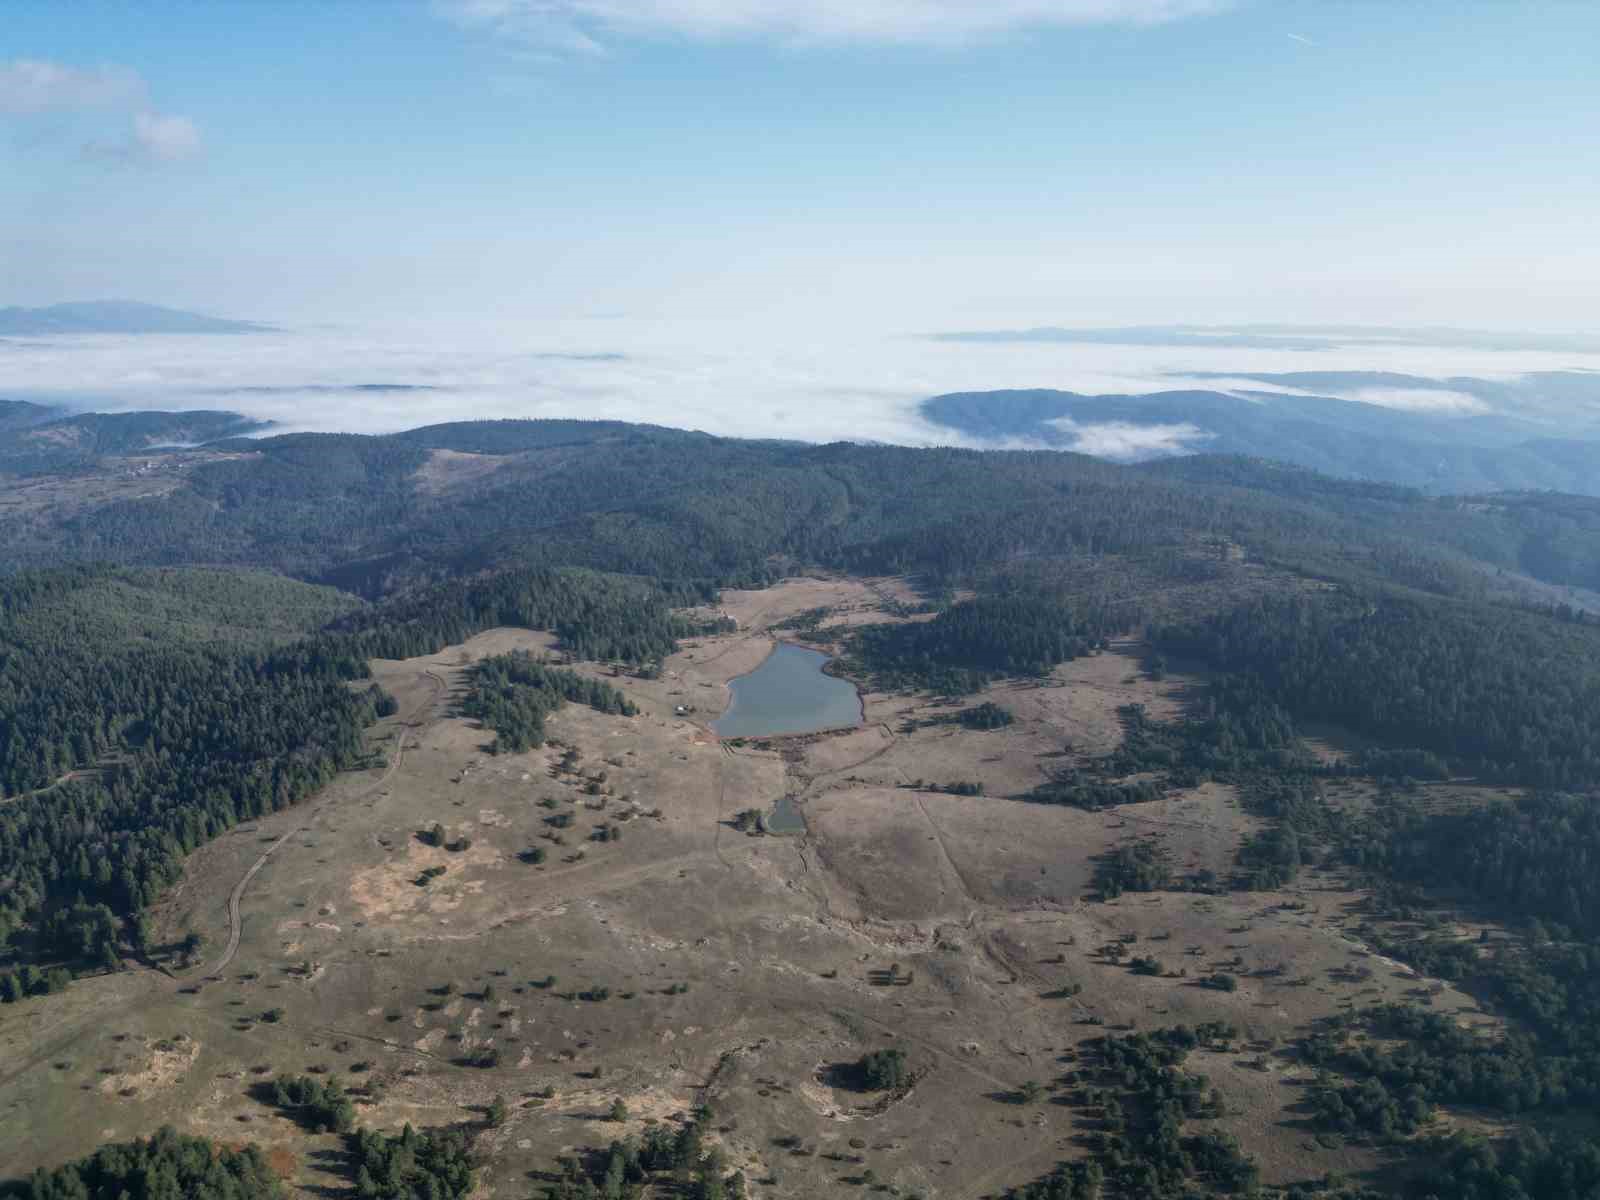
x=788, y=693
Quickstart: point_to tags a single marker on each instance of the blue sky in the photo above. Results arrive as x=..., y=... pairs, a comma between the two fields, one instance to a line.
x=912, y=163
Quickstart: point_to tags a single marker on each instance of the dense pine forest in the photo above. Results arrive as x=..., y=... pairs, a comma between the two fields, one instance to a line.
x=377, y=514
x=1510, y=696
x=128, y=738
x=970, y=643
x=596, y=616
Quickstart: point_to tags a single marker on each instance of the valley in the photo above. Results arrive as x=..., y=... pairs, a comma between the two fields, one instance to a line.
x=686, y=961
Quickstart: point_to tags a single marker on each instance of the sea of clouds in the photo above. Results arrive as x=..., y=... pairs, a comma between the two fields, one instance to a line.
x=818, y=386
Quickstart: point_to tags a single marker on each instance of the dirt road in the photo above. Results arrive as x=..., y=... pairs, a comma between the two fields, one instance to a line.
x=437, y=689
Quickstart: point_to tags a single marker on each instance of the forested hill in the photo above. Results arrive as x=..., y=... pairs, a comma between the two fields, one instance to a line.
x=378, y=514
x=513, y=436
x=19, y=414
x=77, y=444
x=1549, y=535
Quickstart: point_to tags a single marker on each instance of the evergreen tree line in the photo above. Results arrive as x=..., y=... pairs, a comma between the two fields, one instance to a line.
x=1527, y=1166
x=512, y=694
x=1506, y=695
x=1534, y=859
x=971, y=643
x=167, y=1166
x=596, y=616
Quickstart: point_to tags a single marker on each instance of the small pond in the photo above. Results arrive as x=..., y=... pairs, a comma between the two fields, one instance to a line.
x=785, y=817
x=788, y=693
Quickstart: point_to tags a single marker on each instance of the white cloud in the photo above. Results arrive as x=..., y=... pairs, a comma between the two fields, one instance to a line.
x=1124, y=441
x=152, y=139
x=585, y=24
x=32, y=85
x=1431, y=400
x=164, y=138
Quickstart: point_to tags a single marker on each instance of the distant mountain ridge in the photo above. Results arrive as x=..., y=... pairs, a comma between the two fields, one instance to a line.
x=67, y=443
x=377, y=514
x=115, y=316
x=20, y=414
x=1436, y=451
x=1279, y=337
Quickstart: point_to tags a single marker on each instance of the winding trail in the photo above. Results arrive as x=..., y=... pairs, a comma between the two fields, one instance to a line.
x=438, y=688
x=71, y=776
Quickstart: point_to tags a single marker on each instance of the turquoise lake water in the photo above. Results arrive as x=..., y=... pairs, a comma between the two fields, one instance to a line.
x=788, y=693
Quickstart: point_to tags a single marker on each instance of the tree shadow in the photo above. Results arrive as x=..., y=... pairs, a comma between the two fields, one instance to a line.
x=845, y=1076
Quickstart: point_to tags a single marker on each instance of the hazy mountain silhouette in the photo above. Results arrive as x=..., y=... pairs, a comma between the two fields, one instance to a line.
x=20, y=414
x=1436, y=451
x=115, y=316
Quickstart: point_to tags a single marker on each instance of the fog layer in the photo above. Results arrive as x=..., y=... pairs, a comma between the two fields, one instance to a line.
x=847, y=385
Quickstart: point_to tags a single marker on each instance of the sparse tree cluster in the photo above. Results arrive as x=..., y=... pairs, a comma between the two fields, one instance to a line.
x=320, y=1105
x=514, y=693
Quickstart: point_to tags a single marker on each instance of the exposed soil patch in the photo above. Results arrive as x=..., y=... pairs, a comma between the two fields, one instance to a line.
x=163, y=1065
